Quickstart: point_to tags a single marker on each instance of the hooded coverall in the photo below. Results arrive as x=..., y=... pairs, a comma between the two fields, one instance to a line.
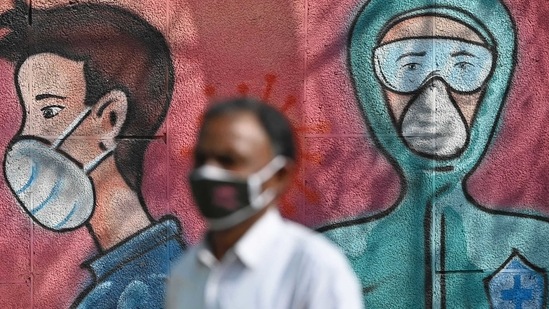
x=436, y=247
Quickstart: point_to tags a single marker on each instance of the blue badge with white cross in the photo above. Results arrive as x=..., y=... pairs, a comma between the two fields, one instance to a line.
x=517, y=284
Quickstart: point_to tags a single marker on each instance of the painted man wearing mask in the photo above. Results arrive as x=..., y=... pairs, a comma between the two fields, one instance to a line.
x=251, y=257
x=95, y=83
x=431, y=80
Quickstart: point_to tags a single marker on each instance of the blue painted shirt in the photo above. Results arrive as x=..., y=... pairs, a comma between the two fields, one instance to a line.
x=132, y=275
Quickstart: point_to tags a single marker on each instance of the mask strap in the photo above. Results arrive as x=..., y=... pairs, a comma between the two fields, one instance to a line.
x=256, y=180
x=232, y=219
x=88, y=168
x=263, y=199
x=271, y=168
x=260, y=199
x=68, y=131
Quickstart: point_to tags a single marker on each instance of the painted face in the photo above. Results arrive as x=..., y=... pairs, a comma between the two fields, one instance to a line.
x=433, y=70
x=53, y=90
x=54, y=190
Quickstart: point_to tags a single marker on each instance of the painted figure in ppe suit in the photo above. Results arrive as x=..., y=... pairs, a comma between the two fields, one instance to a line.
x=431, y=79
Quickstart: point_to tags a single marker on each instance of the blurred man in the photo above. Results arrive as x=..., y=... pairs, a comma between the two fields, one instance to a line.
x=251, y=257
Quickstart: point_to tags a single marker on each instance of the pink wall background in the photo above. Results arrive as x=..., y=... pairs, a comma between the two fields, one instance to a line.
x=292, y=54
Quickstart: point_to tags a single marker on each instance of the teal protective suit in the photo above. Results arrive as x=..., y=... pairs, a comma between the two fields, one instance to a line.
x=436, y=247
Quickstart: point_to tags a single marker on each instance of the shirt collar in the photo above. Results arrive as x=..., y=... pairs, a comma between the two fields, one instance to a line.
x=205, y=255
x=133, y=248
x=252, y=246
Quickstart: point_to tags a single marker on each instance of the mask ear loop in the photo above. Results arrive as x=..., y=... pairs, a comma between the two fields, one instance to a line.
x=68, y=131
x=88, y=168
x=255, y=181
x=271, y=168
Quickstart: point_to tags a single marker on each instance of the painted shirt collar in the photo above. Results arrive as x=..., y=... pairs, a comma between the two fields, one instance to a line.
x=131, y=249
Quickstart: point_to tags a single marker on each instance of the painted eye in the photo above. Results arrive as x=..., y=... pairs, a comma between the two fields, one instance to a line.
x=463, y=65
x=411, y=66
x=51, y=111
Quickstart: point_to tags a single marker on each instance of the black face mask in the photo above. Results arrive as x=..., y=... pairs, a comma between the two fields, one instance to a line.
x=225, y=199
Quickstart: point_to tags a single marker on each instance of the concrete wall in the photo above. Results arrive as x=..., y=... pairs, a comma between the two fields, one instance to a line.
x=462, y=223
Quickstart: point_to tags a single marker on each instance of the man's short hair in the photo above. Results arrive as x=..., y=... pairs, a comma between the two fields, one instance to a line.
x=120, y=50
x=275, y=124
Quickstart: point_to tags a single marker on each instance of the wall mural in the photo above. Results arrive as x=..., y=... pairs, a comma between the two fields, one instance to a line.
x=432, y=81
x=95, y=83
x=421, y=131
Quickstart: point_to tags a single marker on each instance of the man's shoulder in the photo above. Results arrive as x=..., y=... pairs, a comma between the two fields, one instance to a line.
x=186, y=262
x=322, y=270
x=314, y=247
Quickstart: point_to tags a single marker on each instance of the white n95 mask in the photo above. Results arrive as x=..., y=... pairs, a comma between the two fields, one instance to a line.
x=225, y=199
x=432, y=125
x=52, y=188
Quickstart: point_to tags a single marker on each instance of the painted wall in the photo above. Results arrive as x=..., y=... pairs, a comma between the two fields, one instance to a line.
x=456, y=219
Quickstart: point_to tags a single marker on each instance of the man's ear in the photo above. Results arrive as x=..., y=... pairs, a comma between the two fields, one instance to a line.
x=286, y=175
x=111, y=111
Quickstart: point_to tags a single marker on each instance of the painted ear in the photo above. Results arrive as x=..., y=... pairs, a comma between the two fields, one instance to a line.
x=111, y=111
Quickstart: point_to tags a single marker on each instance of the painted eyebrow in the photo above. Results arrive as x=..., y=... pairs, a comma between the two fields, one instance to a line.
x=420, y=54
x=49, y=96
x=463, y=53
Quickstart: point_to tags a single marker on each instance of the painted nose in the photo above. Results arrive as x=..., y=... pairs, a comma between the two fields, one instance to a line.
x=436, y=82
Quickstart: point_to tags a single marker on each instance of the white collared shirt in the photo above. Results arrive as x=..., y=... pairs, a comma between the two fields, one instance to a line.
x=276, y=264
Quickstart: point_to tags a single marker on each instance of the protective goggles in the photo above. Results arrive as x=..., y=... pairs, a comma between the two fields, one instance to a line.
x=405, y=66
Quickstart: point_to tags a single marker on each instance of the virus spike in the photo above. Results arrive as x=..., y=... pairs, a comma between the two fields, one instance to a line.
x=209, y=91
x=243, y=89
x=312, y=157
x=287, y=209
x=186, y=152
x=270, y=79
x=322, y=127
x=288, y=103
x=311, y=196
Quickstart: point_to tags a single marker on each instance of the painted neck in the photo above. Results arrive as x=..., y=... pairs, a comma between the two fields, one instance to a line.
x=433, y=182
x=118, y=212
